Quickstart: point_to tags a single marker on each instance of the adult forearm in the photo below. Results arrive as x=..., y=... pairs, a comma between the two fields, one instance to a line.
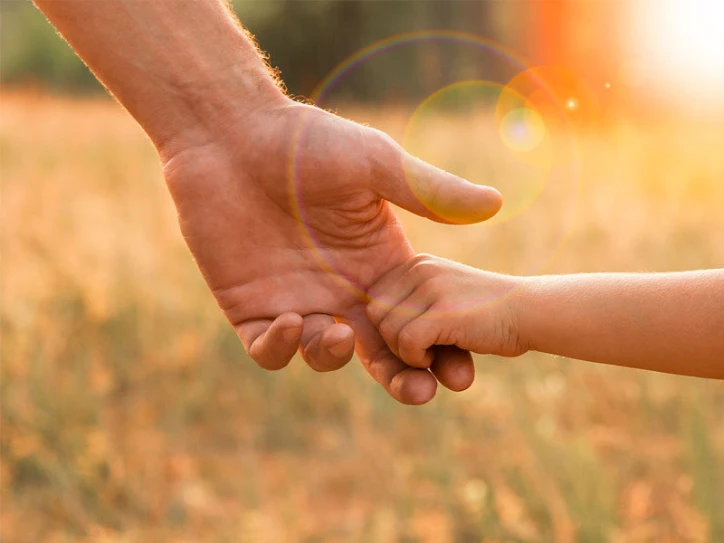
x=182, y=68
x=666, y=322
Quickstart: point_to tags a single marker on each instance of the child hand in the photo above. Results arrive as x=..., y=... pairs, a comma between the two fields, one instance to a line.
x=432, y=301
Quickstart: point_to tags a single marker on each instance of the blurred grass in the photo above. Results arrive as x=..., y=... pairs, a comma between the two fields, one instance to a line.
x=131, y=413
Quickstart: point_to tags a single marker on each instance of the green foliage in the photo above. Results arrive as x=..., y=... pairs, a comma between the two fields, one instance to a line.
x=32, y=52
x=305, y=40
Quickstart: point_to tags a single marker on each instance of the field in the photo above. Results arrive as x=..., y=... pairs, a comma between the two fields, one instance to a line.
x=131, y=413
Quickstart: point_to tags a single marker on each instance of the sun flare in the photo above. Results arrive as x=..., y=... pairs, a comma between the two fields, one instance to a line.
x=684, y=47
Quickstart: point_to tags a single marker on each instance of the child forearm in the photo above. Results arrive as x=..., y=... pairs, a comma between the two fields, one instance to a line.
x=671, y=322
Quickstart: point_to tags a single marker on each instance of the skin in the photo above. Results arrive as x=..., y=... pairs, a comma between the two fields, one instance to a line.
x=289, y=258
x=668, y=322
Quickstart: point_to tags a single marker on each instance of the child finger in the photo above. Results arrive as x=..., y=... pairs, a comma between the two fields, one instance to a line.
x=411, y=386
x=388, y=298
x=397, y=319
x=416, y=338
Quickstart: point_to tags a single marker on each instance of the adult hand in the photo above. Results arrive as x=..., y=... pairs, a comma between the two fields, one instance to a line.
x=193, y=78
x=285, y=211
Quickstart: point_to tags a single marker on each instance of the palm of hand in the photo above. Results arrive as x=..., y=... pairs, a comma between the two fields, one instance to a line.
x=290, y=232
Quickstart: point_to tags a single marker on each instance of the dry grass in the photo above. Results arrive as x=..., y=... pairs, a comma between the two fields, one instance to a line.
x=130, y=412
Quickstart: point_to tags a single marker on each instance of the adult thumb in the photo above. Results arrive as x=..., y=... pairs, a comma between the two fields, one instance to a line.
x=436, y=194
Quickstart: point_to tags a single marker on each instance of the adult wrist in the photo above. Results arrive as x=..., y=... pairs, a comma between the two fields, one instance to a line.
x=213, y=102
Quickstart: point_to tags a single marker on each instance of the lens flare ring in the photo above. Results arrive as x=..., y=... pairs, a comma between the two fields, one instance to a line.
x=513, y=141
x=522, y=129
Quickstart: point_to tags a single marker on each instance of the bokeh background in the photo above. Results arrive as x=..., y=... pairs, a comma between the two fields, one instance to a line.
x=129, y=410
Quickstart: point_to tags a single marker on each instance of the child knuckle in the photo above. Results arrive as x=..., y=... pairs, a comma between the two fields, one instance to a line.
x=425, y=268
x=374, y=311
x=421, y=258
x=408, y=335
x=387, y=328
x=432, y=288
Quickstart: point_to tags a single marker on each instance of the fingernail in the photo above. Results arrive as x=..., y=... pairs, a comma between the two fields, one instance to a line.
x=339, y=349
x=290, y=334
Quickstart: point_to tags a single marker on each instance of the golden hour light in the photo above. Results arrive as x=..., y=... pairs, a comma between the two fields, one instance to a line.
x=244, y=241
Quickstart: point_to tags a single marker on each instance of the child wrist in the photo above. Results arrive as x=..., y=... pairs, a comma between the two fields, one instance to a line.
x=521, y=303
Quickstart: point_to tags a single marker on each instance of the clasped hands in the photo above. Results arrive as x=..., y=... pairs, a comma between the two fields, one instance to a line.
x=286, y=212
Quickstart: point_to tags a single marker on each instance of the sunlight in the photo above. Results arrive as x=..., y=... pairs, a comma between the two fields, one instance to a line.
x=685, y=40
x=693, y=34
